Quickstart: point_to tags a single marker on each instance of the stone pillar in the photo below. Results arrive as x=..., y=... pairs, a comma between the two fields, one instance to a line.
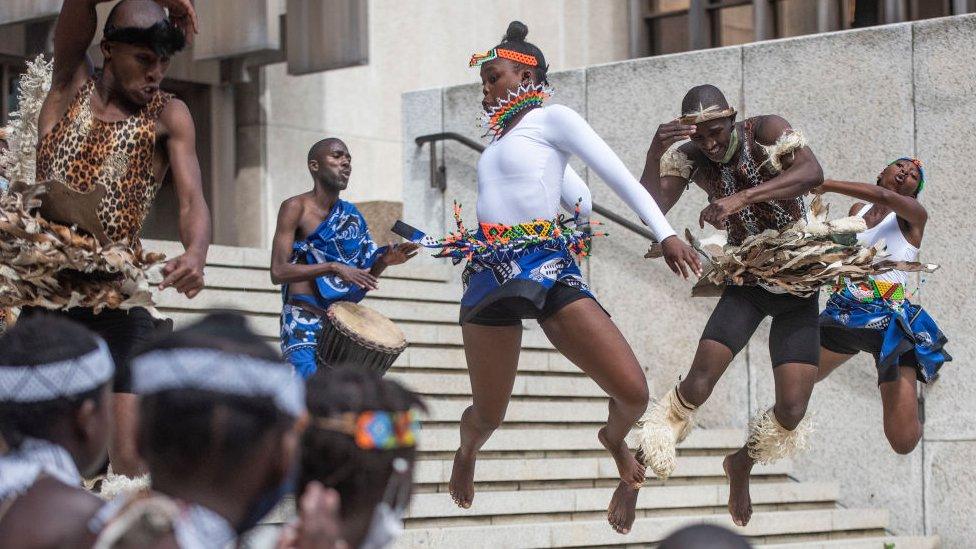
x=828, y=16
x=699, y=27
x=762, y=20
x=895, y=11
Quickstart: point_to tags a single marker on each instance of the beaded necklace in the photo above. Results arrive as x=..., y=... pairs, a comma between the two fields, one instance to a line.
x=526, y=96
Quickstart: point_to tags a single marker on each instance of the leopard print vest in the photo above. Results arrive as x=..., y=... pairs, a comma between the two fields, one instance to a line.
x=82, y=151
x=750, y=170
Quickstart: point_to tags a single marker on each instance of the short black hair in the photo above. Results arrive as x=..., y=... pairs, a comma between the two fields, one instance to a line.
x=704, y=95
x=144, y=23
x=514, y=40
x=176, y=427
x=315, y=149
x=333, y=458
x=36, y=340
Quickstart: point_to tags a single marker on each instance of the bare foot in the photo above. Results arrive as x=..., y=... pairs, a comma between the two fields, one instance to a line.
x=462, y=479
x=738, y=467
x=631, y=471
x=623, y=507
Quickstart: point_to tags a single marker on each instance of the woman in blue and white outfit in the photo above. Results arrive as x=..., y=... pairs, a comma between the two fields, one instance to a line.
x=521, y=265
x=875, y=316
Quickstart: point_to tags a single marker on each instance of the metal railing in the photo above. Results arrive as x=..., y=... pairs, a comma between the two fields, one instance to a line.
x=438, y=177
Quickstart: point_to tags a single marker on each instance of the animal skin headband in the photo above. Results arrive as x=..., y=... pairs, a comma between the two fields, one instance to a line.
x=221, y=372
x=479, y=59
x=163, y=37
x=704, y=114
x=62, y=379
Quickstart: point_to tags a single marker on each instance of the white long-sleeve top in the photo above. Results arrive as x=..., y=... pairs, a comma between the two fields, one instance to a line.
x=524, y=176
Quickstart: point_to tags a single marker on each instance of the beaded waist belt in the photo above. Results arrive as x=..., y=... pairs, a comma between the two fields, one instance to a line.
x=872, y=289
x=495, y=242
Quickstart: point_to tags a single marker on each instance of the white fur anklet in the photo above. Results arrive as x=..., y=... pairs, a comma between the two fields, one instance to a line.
x=661, y=429
x=114, y=484
x=769, y=441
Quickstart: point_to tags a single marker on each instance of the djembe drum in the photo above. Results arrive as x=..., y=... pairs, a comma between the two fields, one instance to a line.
x=359, y=337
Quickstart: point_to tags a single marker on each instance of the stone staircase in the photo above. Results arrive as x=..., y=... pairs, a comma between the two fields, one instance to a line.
x=543, y=480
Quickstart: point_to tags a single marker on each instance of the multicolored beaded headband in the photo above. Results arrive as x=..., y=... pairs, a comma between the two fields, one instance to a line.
x=479, y=59
x=704, y=114
x=921, y=171
x=375, y=429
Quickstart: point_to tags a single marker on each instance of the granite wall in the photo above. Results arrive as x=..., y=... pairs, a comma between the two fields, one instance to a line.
x=862, y=98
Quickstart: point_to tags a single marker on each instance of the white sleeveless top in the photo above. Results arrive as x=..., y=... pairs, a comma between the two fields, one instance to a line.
x=898, y=247
x=523, y=175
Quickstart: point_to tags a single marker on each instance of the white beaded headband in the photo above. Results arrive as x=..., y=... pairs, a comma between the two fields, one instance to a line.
x=221, y=372
x=55, y=380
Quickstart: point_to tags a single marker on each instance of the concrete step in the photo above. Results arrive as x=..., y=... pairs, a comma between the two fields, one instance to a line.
x=588, y=533
x=416, y=332
x=422, y=268
x=451, y=358
x=894, y=542
x=597, y=467
x=557, y=438
x=525, y=385
x=269, y=301
x=584, y=500
x=445, y=409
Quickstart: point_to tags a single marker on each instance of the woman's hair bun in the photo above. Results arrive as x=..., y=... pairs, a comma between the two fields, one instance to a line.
x=517, y=31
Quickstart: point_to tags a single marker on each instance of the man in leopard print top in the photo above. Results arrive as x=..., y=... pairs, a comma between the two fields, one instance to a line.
x=115, y=128
x=755, y=173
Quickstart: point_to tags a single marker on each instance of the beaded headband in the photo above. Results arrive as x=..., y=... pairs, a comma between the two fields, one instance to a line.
x=221, y=372
x=479, y=59
x=704, y=114
x=374, y=429
x=56, y=380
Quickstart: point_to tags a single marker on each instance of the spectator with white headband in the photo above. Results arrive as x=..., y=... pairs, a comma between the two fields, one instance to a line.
x=55, y=416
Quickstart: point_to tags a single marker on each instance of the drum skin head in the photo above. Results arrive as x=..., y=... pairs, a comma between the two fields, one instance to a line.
x=366, y=325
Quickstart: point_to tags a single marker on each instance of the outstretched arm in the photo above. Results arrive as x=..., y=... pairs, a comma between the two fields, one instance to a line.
x=905, y=207
x=567, y=131
x=185, y=272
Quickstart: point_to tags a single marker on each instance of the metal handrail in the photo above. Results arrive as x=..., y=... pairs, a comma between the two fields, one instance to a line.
x=437, y=172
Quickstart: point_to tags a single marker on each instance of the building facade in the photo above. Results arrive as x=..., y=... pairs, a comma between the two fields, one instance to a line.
x=261, y=94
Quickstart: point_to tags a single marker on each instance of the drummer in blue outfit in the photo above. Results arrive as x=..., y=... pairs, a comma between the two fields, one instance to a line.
x=323, y=253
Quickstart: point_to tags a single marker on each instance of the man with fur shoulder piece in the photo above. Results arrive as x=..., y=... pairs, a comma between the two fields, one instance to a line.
x=755, y=173
x=116, y=131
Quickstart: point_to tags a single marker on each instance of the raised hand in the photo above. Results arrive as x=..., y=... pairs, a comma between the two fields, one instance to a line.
x=399, y=253
x=668, y=134
x=680, y=257
x=183, y=15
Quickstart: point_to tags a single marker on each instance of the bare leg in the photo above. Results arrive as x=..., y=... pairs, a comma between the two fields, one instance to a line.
x=122, y=451
x=900, y=402
x=794, y=384
x=711, y=360
x=830, y=361
x=492, y=354
x=584, y=334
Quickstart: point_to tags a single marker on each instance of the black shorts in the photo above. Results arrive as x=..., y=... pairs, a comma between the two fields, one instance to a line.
x=509, y=311
x=850, y=341
x=795, y=332
x=123, y=331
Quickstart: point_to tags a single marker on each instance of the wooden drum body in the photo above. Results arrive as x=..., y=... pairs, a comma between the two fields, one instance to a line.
x=359, y=337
